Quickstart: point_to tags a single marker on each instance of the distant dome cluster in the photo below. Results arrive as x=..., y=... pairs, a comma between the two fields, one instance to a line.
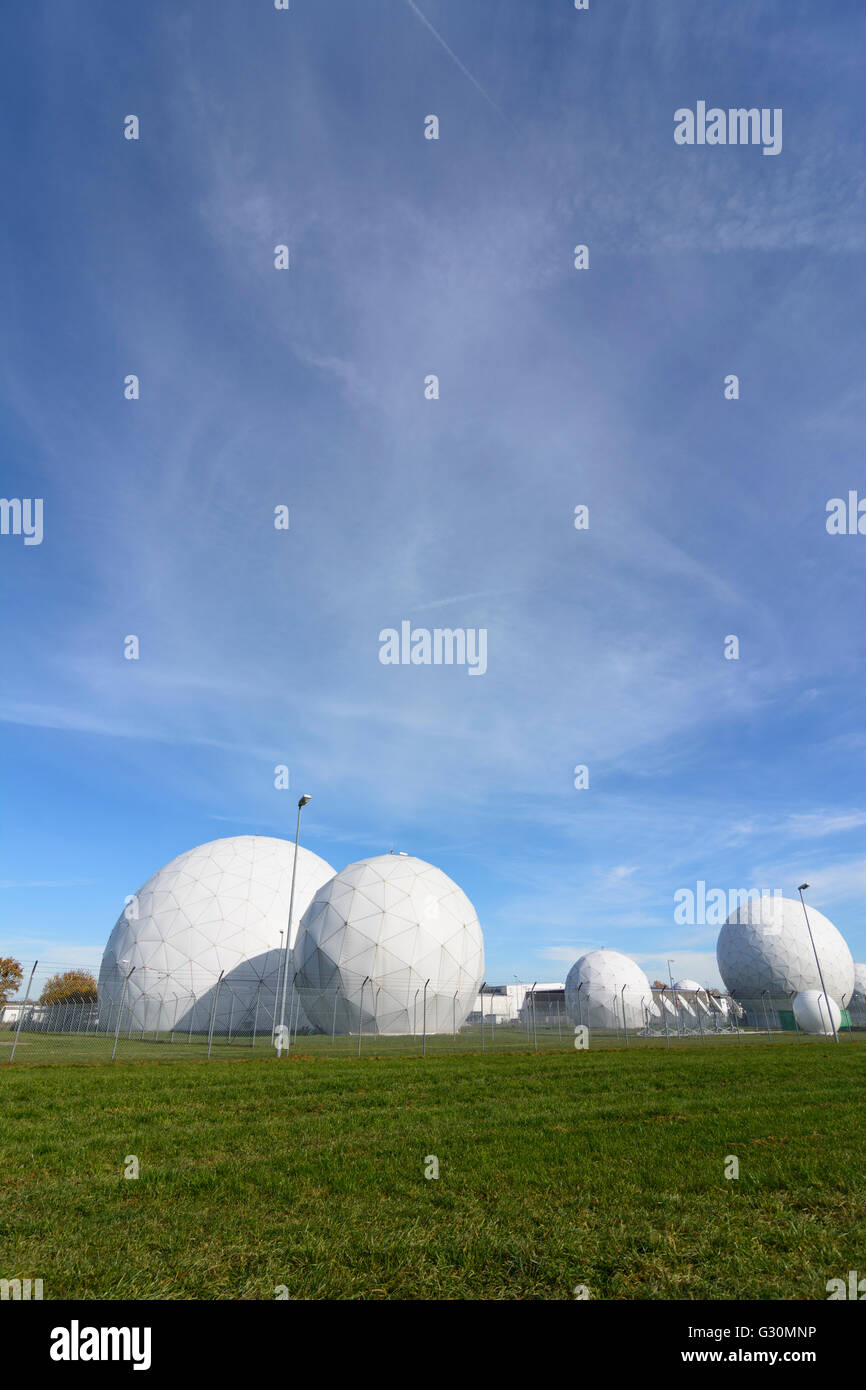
x=389, y=944
x=766, y=960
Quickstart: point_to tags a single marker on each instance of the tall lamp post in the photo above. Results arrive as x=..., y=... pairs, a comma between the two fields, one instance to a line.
x=817, y=961
x=301, y=804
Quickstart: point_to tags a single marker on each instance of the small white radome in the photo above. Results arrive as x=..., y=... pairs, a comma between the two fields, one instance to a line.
x=814, y=1012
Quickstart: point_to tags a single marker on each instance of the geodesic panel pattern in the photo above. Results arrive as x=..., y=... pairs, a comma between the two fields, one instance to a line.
x=389, y=945
x=219, y=907
x=764, y=947
x=603, y=987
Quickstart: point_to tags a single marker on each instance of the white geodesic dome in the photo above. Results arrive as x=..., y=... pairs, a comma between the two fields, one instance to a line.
x=764, y=948
x=219, y=907
x=689, y=985
x=603, y=986
x=374, y=936
x=815, y=1013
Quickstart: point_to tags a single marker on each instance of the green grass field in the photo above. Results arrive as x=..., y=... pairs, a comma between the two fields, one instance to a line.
x=601, y=1168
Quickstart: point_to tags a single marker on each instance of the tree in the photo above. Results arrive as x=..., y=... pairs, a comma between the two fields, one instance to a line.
x=659, y=984
x=72, y=986
x=11, y=976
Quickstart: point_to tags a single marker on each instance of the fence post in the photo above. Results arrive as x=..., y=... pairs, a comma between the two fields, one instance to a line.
x=534, y=1029
x=424, y=1048
x=256, y=1014
x=120, y=1014
x=291, y=1011
x=21, y=1011
x=191, y=1018
x=213, y=1013
x=483, y=983
x=334, y=1017
x=796, y=1024
x=297, y=1010
x=766, y=1015
x=622, y=1003
x=361, y=1014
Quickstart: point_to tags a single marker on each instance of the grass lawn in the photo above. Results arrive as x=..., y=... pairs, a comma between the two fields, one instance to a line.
x=603, y=1168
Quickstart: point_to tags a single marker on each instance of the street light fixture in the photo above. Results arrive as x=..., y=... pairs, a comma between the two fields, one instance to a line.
x=817, y=961
x=301, y=804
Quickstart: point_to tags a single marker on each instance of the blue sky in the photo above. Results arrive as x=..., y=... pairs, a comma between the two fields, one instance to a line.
x=557, y=388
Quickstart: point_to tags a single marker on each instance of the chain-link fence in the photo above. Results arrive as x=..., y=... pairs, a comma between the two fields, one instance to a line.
x=161, y=1016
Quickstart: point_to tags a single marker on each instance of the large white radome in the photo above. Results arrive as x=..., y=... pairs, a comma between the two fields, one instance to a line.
x=603, y=983
x=219, y=907
x=374, y=935
x=764, y=946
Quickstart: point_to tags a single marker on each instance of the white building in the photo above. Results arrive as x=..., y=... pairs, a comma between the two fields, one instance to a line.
x=512, y=1003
